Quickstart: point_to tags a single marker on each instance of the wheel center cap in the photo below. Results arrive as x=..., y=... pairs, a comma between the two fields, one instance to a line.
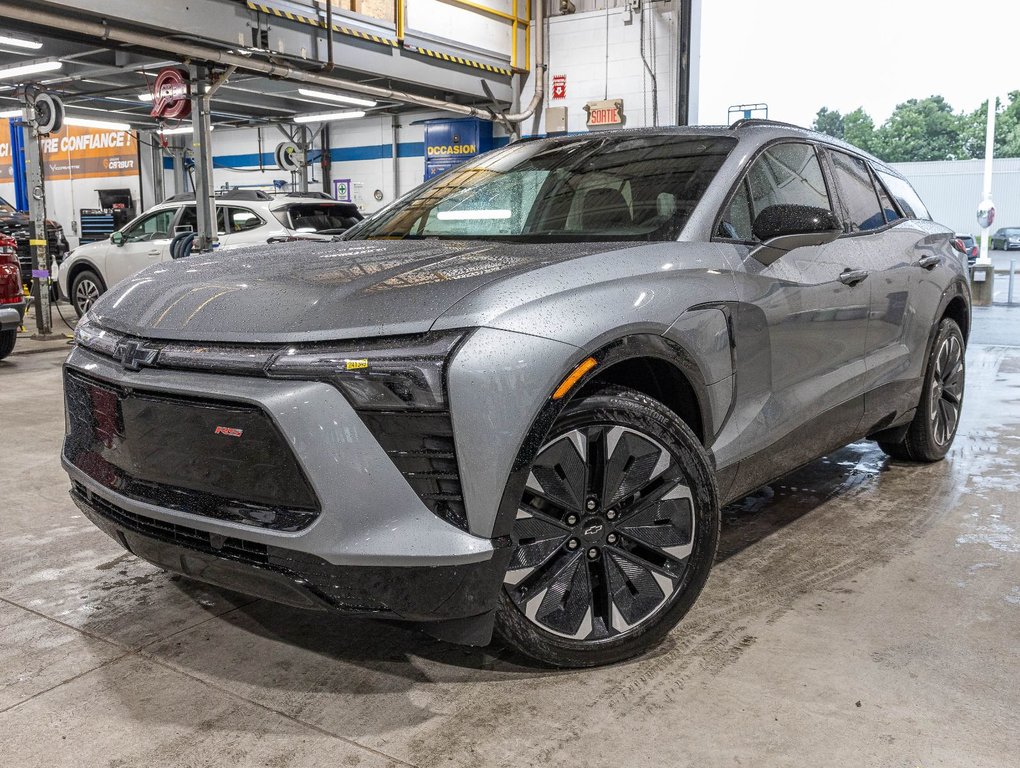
x=593, y=530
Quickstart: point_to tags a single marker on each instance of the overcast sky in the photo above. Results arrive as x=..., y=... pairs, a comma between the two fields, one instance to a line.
x=800, y=55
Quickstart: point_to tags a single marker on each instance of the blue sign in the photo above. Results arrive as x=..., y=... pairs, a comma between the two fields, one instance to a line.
x=448, y=143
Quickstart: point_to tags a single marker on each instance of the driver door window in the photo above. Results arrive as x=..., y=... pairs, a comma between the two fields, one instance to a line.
x=154, y=227
x=784, y=174
x=145, y=242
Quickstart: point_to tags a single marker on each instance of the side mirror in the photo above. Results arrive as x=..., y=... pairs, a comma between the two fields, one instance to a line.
x=117, y=238
x=781, y=228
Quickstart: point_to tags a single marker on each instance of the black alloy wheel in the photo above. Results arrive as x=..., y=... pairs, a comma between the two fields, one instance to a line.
x=614, y=535
x=946, y=390
x=929, y=436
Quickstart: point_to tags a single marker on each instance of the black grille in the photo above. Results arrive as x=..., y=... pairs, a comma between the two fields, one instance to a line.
x=249, y=552
x=421, y=445
x=217, y=459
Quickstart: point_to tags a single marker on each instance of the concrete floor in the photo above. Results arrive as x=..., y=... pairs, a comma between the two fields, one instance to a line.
x=863, y=612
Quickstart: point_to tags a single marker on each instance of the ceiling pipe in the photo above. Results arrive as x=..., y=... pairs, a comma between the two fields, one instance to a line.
x=104, y=31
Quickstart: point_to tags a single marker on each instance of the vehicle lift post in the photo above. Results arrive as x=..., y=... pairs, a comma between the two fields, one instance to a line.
x=202, y=143
x=37, y=228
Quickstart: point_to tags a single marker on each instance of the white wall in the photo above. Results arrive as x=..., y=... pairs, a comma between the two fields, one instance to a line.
x=65, y=198
x=600, y=54
x=371, y=136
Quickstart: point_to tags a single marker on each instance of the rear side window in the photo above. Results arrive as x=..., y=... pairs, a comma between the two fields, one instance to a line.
x=857, y=191
x=189, y=220
x=888, y=206
x=785, y=174
x=241, y=219
x=905, y=196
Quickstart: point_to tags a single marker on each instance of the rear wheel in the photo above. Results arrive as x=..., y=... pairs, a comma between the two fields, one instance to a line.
x=86, y=288
x=931, y=433
x=7, y=341
x=615, y=533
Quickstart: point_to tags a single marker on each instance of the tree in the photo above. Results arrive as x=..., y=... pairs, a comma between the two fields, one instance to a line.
x=926, y=129
x=859, y=130
x=829, y=122
x=921, y=129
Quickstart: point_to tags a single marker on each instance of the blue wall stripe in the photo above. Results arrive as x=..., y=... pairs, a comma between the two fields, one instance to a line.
x=336, y=155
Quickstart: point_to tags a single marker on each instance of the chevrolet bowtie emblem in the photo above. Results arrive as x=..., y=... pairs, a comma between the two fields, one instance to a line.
x=132, y=355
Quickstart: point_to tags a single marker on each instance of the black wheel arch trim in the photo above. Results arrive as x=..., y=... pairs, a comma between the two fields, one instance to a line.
x=958, y=289
x=630, y=347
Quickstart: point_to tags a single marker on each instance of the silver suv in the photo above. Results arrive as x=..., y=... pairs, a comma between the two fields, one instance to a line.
x=516, y=398
x=243, y=218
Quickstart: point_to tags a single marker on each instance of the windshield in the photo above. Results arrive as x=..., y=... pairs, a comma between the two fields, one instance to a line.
x=6, y=207
x=595, y=188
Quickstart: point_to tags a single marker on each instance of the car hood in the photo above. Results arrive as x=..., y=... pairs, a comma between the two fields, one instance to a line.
x=304, y=291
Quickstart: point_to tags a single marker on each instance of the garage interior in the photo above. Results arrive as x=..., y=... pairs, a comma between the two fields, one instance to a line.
x=861, y=611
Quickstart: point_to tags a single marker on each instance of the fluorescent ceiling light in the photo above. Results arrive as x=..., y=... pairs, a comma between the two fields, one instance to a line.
x=19, y=42
x=81, y=122
x=30, y=69
x=336, y=97
x=483, y=215
x=11, y=113
x=328, y=116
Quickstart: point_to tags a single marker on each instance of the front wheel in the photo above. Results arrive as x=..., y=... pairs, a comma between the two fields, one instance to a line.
x=85, y=290
x=7, y=341
x=615, y=533
x=934, y=426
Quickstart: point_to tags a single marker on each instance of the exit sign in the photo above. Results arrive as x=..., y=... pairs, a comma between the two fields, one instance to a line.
x=603, y=113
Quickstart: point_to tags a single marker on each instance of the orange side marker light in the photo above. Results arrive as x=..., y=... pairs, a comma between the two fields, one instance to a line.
x=575, y=376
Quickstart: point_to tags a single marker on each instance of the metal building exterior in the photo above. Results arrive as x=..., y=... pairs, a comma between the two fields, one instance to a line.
x=952, y=190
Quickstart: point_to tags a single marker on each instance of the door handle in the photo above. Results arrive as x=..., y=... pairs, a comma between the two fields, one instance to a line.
x=853, y=276
x=154, y=252
x=930, y=262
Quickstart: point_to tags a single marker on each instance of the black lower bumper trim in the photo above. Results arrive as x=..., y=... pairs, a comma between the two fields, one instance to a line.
x=414, y=593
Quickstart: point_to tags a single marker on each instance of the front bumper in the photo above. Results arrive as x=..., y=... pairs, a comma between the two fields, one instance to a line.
x=426, y=594
x=11, y=316
x=374, y=548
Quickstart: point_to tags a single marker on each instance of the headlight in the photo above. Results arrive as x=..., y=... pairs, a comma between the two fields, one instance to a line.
x=90, y=336
x=404, y=372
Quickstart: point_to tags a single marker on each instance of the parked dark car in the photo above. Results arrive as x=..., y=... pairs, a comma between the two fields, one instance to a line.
x=1005, y=239
x=516, y=398
x=16, y=224
x=12, y=301
x=970, y=247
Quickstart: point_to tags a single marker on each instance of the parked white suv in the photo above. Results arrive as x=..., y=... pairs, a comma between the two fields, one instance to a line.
x=244, y=217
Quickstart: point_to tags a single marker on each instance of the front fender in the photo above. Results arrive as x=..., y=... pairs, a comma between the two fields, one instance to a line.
x=500, y=386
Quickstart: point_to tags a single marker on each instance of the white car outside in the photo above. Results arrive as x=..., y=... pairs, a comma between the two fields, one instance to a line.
x=243, y=217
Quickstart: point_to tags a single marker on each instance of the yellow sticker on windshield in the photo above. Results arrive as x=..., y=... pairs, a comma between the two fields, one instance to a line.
x=355, y=365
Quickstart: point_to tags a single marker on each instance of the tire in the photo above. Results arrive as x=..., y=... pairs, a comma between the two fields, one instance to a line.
x=931, y=433
x=85, y=289
x=594, y=581
x=7, y=341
